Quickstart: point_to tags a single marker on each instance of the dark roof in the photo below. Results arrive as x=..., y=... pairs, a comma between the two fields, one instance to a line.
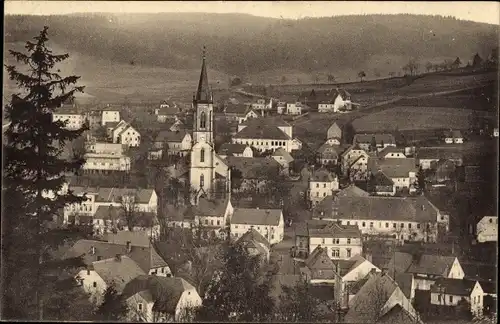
x=429, y=264
x=380, y=179
x=319, y=265
x=386, y=208
x=321, y=228
x=169, y=136
x=67, y=110
x=438, y=153
x=346, y=266
x=457, y=287
x=453, y=134
x=208, y=207
x=355, y=287
x=109, y=213
x=276, y=121
x=179, y=213
x=396, y=315
x=203, y=92
x=379, y=138
x=253, y=235
x=390, y=149
x=253, y=216
x=323, y=208
x=282, y=152
x=321, y=175
x=352, y=191
x=404, y=281
x=165, y=291
x=105, y=194
x=481, y=272
x=239, y=109
x=262, y=132
x=137, y=238
x=394, y=168
x=118, y=271
x=230, y=149
x=145, y=257
x=254, y=168
x=168, y=111
x=488, y=287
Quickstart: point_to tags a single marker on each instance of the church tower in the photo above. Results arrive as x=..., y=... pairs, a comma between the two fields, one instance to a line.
x=202, y=170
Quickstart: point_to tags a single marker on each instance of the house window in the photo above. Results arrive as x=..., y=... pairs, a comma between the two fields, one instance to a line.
x=337, y=241
x=451, y=299
x=324, y=194
x=162, y=270
x=235, y=226
x=335, y=252
x=394, y=225
x=203, y=120
x=218, y=222
x=409, y=225
x=202, y=180
x=386, y=225
x=139, y=306
x=94, y=284
x=439, y=299
x=88, y=272
x=206, y=221
x=317, y=185
x=324, y=185
x=322, y=241
x=202, y=155
x=348, y=253
x=317, y=194
x=348, y=241
x=418, y=225
x=363, y=224
x=402, y=225
x=371, y=224
x=348, y=223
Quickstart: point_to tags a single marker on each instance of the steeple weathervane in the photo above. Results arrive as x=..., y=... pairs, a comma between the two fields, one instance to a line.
x=203, y=91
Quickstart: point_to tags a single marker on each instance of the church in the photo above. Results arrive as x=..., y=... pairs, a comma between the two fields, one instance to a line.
x=209, y=175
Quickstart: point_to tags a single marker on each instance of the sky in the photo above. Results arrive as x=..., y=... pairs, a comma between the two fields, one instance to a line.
x=481, y=11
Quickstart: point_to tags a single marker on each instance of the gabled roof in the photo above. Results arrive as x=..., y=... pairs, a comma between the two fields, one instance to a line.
x=481, y=272
x=386, y=209
x=323, y=208
x=390, y=149
x=321, y=175
x=380, y=179
x=352, y=147
x=109, y=213
x=104, y=194
x=137, y=238
x=164, y=291
x=145, y=257
x=419, y=263
x=346, y=266
x=67, y=110
x=203, y=92
x=179, y=213
x=379, y=138
x=239, y=109
x=254, y=168
x=397, y=315
x=168, y=111
x=328, y=149
x=457, y=287
x=282, y=152
x=253, y=235
x=169, y=136
x=117, y=272
x=276, y=121
x=394, y=168
x=319, y=265
x=352, y=191
x=206, y=207
x=321, y=228
x=404, y=281
x=230, y=149
x=252, y=216
x=267, y=132
x=453, y=134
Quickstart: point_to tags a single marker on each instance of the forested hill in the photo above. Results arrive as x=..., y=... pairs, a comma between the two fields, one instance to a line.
x=240, y=44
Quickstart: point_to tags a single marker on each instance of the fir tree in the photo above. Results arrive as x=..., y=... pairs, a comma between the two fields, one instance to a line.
x=420, y=180
x=33, y=177
x=113, y=307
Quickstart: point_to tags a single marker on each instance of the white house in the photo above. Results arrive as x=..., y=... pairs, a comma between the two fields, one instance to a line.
x=290, y=108
x=175, y=142
x=328, y=154
x=334, y=101
x=255, y=244
x=402, y=171
x=268, y=222
x=213, y=215
x=69, y=114
x=350, y=155
x=109, y=116
x=283, y=158
x=240, y=150
x=428, y=155
x=116, y=271
x=105, y=157
x=358, y=168
x=339, y=241
x=487, y=229
x=239, y=112
x=166, y=111
x=413, y=219
x=383, y=140
x=391, y=152
x=453, y=137
x=125, y=134
x=321, y=184
x=174, y=299
x=449, y=292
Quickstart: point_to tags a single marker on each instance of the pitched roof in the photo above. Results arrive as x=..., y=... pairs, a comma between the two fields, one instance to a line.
x=254, y=168
x=252, y=216
x=268, y=132
x=438, y=153
x=321, y=175
x=453, y=134
x=346, y=266
x=396, y=315
x=168, y=111
x=371, y=298
x=457, y=287
x=145, y=257
x=355, y=287
x=67, y=110
x=321, y=228
x=137, y=238
x=420, y=263
x=276, y=121
x=169, y=136
x=323, y=208
x=481, y=272
x=208, y=207
x=105, y=194
x=109, y=213
x=488, y=287
x=117, y=271
x=282, y=152
x=253, y=235
x=331, y=150
x=230, y=149
x=352, y=191
x=390, y=149
x=386, y=209
x=239, y=109
x=404, y=281
x=394, y=168
x=203, y=92
x=379, y=138
x=319, y=265
x=164, y=291
x=380, y=179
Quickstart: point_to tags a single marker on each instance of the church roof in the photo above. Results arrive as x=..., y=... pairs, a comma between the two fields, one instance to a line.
x=203, y=91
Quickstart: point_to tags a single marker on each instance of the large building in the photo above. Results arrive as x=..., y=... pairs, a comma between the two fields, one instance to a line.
x=208, y=173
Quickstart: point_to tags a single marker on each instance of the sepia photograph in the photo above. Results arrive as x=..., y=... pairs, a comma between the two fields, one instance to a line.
x=250, y=161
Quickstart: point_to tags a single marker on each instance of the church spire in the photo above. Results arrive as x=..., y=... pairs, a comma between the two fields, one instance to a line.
x=203, y=91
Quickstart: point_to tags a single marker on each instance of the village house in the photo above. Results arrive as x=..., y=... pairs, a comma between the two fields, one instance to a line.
x=318, y=268
x=255, y=172
x=283, y=158
x=268, y=222
x=140, y=200
x=354, y=269
x=267, y=134
x=391, y=152
x=105, y=157
x=382, y=299
x=353, y=153
x=402, y=172
x=109, y=115
x=174, y=143
x=382, y=185
x=239, y=112
x=411, y=219
x=449, y=292
x=364, y=141
x=334, y=101
x=290, y=108
x=239, y=150
x=428, y=155
x=339, y=241
x=442, y=171
x=124, y=133
x=71, y=115
x=358, y=170
x=321, y=184
x=453, y=137
x=160, y=299
x=167, y=111
x=114, y=271
x=328, y=154
x=335, y=130
x=487, y=229
x=426, y=268
x=213, y=216
x=260, y=104
x=111, y=218
x=255, y=244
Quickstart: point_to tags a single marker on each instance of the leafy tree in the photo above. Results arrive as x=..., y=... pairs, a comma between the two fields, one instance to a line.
x=236, y=179
x=428, y=66
x=240, y=292
x=113, y=307
x=33, y=178
x=297, y=304
x=236, y=81
x=361, y=75
x=421, y=180
x=412, y=66
x=331, y=78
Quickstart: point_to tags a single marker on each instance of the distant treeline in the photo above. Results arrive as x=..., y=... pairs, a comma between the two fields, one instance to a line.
x=240, y=44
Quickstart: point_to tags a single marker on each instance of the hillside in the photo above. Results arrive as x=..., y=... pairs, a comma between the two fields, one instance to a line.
x=265, y=47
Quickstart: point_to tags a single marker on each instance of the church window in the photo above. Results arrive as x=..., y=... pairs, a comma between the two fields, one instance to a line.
x=202, y=180
x=203, y=120
x=202, y=155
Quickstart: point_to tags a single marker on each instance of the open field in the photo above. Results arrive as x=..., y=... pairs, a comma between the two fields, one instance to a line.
x=410, y=118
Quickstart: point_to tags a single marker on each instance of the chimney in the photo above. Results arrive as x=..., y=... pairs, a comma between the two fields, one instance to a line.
x=118, y=257
x=129, y=246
